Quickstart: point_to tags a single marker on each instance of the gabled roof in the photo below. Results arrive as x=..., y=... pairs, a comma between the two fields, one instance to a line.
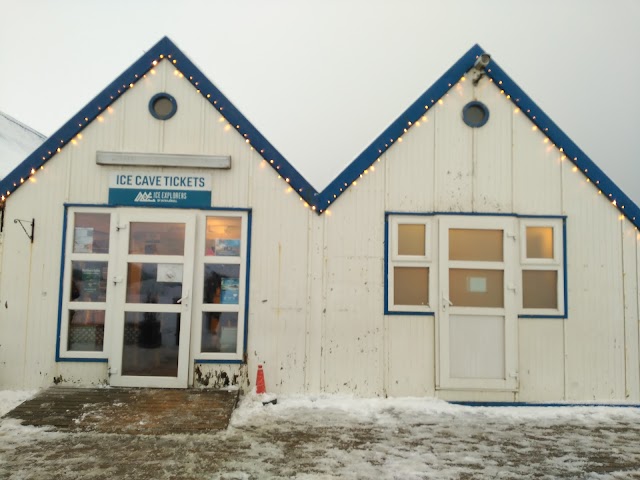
x=17, y=140
x=165, y=49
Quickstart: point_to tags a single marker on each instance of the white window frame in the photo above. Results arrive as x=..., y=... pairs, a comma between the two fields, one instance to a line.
x=544, y=264
x=197, y=307
x=66, y=304
x=415, y=261
x=200, y=307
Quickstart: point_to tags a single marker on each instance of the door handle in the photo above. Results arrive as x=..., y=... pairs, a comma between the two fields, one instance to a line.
x=185, y=299
x=446, y=302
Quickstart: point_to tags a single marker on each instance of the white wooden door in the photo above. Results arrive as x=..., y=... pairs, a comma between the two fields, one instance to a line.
x=153, y=289
x=477, y=319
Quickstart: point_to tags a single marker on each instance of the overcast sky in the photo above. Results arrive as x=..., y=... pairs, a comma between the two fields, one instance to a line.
x=322, y=79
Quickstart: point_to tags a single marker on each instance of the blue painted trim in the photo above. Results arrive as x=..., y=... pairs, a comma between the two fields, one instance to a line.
x=599, y=179
x=529, y=404
x=238, y=362
x=61, y=282
x=564, y=266
x=386, y=139
x=203, y=209
x=84, y=360
x=474, y=214
x=165, y=50
x=415, y=314
x=564, y=315
x=159, y=96
x=386, y=264
x=247, y=281
x=482, y=107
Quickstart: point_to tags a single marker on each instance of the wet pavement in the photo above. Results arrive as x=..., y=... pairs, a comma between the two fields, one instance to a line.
x=316, y=438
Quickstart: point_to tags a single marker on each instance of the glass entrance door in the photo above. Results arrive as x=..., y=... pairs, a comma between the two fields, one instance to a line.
x=477, y=322
x=150, y=344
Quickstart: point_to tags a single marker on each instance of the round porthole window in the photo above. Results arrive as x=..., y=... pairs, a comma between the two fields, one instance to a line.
x=163, y=106
x=475, y=114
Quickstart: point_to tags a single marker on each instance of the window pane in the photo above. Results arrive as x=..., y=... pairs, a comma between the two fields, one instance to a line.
x=411, y=239
x=221, y=283
x=156, y=238
x=219, y=332
x=151, y=344
x=475, y=245
x=223, y=236
x=540, y=289
x=411, y=286
x=539, y=242
x=154, y=283
x=91, y=233
x=86, y=330
x=476, y=288
x=88, y=281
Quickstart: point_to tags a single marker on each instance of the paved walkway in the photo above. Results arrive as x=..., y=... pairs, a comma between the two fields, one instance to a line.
x=129, y=410
x=315, y=438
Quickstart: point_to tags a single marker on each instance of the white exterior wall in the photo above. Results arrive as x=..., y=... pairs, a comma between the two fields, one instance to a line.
x=316, y=305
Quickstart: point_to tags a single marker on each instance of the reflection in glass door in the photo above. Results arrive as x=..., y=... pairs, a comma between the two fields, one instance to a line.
x=151, y=342
x=477, y=323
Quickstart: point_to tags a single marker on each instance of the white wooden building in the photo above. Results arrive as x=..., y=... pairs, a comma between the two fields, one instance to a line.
x=471, y=252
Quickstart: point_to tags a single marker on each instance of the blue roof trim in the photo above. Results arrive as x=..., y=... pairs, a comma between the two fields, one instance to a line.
x=165, y=49
x=545, y=405
x=400, y=126
x=561, y=141
x=318, y=201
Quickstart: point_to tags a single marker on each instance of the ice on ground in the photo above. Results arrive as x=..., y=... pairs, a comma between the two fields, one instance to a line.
x=10, y=399
x=339, y=436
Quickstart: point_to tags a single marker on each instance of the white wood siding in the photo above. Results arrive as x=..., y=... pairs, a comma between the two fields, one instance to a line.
x=316, y=304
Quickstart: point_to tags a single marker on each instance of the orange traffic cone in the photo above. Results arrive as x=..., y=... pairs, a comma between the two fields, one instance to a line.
x=260, y=387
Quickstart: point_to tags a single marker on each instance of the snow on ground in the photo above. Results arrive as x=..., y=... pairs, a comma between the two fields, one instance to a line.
x=333, y=436
x=16, y=142
x=10, y=399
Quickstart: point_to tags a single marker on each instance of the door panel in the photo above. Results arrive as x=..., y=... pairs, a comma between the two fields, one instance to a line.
x=153, y=283
x=477, y=321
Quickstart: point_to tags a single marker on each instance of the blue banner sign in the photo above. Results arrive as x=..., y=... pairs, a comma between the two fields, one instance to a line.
x=160, y=190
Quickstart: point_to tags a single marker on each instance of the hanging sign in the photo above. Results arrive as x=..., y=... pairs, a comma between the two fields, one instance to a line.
x=159, y=190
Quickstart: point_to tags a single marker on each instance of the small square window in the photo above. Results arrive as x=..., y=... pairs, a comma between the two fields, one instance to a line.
x=539, y=242
x=475, y=245
x=91, y=233
x=411, y=239
x=411, y=286
x=540, y=289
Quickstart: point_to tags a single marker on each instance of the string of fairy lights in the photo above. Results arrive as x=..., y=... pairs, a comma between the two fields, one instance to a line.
x=318, y=202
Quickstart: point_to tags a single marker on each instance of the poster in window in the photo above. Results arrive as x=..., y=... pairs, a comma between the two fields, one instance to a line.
x=225, y=247
x=91, y=279
x=83, y=240
x=229, y=290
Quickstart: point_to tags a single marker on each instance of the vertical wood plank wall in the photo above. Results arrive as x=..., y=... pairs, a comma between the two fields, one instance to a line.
x=316, y=305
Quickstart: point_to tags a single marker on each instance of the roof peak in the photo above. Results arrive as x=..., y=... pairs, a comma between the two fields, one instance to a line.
x=318, y=201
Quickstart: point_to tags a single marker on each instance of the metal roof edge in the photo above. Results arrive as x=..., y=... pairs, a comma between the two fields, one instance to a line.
x=564, y=144
x=400, y=126
x=164, y=49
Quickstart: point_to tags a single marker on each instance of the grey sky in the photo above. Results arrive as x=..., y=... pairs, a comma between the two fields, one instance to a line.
x=321, y=79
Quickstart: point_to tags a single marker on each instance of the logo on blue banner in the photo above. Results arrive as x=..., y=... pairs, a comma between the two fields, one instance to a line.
x=193, y=191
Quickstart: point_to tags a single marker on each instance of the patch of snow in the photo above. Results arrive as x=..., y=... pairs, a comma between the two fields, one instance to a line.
x=17, y=141
x=345, y=437
x=10, y=399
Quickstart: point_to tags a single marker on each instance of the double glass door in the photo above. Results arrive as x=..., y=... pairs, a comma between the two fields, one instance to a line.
x=152, y=291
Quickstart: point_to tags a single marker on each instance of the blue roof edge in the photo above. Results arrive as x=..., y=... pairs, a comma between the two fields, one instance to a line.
x=561, y=140
x=387, y=138
x=163, y=49
x=318, y=201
